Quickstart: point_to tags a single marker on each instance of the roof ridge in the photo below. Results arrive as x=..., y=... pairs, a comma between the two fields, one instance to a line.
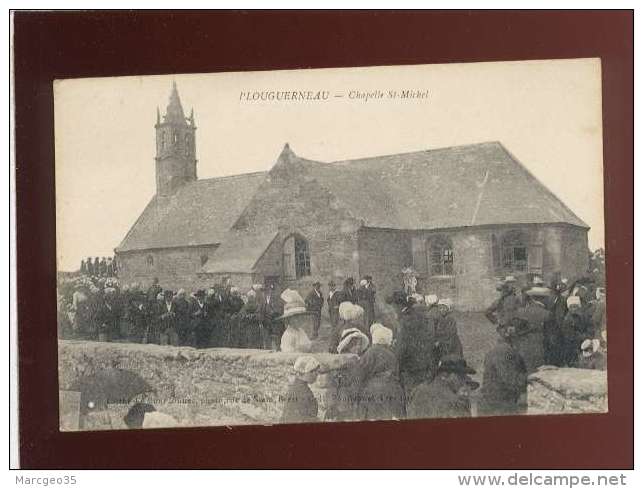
x=433, y=150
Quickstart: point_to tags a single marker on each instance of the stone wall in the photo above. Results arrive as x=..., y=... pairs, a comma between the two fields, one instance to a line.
x=174, y=267
x=197, y=387
x=567, y=391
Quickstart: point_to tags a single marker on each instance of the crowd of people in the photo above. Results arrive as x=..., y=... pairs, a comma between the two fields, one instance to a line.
x=415, y=368
x=419, y=370
x=103, y=267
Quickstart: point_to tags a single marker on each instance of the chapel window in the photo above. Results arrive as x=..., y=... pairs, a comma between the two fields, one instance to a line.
x=514, y=252
x=441, y=256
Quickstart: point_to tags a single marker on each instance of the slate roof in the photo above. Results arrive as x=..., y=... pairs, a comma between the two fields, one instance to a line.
x=239, y=252
x=199, y=213
x=473, y=185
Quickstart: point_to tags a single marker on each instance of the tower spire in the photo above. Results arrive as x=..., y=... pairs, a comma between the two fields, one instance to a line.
x=174, y=112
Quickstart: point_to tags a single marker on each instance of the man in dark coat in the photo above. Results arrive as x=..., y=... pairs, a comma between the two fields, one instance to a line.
x=152, y=293
x=505, y=307
x=314, y=303
x=96, y=266
x=416, y=346
x=90, y=266
x=137, y=312
x=182, y=317
x=504, y=381
x=107, y=316
x=557, y=307
x=83, y=267
x=447, y=396
x=577, y=327
x=300, y=405
x=531, y=343
x=200, y=320
x=166, y=319
x=349, y=292
x=103, y=267
x=334, y=298
x=271, y=309
x=366, y=299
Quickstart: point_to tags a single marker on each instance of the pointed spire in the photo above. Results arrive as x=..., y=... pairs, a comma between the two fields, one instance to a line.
x=174, y=112
x=286, y=155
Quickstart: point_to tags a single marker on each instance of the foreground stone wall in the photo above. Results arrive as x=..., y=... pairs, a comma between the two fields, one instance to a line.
x=567, y=391
x=197, y=387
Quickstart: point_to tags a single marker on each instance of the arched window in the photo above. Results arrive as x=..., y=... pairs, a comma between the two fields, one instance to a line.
x=204, y=259
x=441, y=256
x=296, y=257
x=514, y=251
x=150, y=261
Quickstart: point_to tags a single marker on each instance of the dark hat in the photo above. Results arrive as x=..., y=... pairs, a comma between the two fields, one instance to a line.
x=453, y=364
x=168, y=293
x=331, y=283
x=317, y=284
x=199, y=293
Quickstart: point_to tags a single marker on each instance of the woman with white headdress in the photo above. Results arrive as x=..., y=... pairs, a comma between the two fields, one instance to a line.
x=345, y=407
x=296, y=319
x=381, y=395
x=350, y=317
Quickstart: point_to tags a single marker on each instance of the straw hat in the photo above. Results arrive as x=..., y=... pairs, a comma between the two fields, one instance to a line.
x=294, y=304
x=431, y=299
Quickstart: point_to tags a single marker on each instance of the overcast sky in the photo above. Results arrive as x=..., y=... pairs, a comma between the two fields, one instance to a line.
x=547, y=113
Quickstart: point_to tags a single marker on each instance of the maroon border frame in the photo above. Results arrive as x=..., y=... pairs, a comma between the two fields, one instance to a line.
x=59, y=44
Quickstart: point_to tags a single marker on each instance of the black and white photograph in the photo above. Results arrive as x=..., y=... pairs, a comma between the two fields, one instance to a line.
x=330, y=245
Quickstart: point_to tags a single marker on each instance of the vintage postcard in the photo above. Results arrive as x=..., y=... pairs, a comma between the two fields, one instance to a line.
x=383, y=243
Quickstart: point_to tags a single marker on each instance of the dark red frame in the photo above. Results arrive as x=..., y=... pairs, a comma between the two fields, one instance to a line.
x=52, y=45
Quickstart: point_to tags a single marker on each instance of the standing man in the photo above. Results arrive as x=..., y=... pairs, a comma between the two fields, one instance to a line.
x=96, y=266
x=366, y=299
x=166, y=318
x=314, y=304
x=415, y=344
x=90, y=266
x=182, y=319
x=334, y=299
x=152, y=293
x=200, y=320
x=83, y=267
x=103, y=267
x=271, y=310
x=503, y=310
x=557, y=307
x=504, y=381
x=349, y=292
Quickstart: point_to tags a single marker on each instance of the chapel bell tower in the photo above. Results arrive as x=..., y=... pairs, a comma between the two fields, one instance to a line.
x=175, y=147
